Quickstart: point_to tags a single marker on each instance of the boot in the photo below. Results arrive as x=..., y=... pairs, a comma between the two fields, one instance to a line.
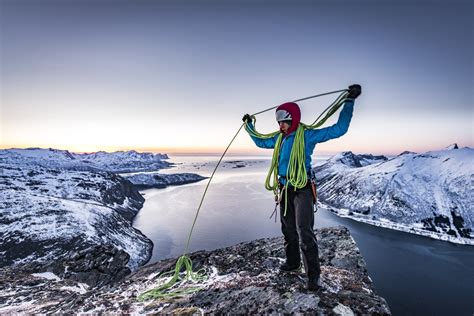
x=313, y=284
x=288, y=268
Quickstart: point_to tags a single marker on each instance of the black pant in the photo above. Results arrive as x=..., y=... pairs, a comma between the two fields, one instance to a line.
x=297, y=227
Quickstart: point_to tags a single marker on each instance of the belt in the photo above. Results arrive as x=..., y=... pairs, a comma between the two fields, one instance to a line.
x=308, y=185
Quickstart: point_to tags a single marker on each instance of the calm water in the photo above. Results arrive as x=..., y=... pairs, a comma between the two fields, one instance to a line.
x=416, y=275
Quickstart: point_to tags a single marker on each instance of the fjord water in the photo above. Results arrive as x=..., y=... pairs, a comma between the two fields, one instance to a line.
x=416, y=275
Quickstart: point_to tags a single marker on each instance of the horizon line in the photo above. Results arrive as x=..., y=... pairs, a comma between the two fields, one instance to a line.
x=202, y=152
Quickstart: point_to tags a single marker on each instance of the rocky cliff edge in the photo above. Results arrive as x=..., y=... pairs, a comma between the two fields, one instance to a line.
x=243, y=278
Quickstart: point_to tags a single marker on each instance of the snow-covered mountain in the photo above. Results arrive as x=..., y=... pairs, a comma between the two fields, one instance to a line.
x=48, y=158
x=46, y=212
x=118, y=162
x=125, y=161
x=429, y=194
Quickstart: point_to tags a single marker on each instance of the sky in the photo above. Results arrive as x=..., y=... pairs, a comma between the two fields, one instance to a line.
x=177, y=76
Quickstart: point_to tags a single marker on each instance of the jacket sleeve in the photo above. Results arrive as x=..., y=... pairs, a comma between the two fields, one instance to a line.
x=262, y=142
x=334, y=131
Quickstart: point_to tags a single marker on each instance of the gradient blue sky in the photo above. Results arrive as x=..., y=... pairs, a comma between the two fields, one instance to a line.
x=177, y=76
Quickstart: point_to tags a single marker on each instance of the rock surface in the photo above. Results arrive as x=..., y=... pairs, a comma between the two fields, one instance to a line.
x=240, y=279
x=97, y=266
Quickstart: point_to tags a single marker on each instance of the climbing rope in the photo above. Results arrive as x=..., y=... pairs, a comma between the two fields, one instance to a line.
x=296, y=176
x=164, y=291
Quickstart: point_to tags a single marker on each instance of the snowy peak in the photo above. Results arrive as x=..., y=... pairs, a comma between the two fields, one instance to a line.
x=453, y=146
x=348, y=158
x=41, y=154
x=128, y=155
x=446, y=163
x=406, y=152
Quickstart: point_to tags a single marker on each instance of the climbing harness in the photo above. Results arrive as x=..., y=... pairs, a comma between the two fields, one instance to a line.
x=314, y=191
x=277, y=202
x=296, y=176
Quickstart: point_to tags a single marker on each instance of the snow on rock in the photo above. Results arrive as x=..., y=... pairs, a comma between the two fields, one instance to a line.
x=429, y=194
x=48, y=158
x=51, y=205
x=241, y=279
x=125, y=161
x=453, y=146
x=354, y=161
x=47, y=275
x=154, y=180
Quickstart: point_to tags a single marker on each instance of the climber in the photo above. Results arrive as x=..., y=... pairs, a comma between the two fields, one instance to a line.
x=297, y=223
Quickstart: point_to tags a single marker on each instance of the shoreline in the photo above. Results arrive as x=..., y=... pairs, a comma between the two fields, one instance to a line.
x=399, y=227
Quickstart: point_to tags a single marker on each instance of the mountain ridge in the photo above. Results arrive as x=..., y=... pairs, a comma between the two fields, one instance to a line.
x=428, y=193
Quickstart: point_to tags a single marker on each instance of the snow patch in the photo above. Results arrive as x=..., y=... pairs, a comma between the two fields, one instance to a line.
x=47, y=275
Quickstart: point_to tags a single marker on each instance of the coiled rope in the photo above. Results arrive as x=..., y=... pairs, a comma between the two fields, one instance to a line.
x=296, y=176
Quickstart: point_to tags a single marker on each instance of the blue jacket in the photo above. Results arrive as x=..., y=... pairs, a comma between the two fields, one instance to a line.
x=311, y=138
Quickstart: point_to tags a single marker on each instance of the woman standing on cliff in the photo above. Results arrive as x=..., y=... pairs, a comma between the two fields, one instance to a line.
x=297, y=217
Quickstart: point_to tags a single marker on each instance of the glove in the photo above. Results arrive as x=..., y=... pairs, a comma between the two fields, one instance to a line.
x=247, y=118
x=354, y=91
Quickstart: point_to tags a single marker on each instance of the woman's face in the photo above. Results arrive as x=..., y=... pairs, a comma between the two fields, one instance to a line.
x=284, y=126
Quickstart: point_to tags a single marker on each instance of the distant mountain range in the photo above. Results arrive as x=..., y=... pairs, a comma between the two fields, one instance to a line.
x=430, y=194
x=117, y=162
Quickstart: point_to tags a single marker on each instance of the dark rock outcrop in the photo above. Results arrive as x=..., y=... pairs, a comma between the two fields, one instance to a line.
x=93, y=267
x=350, y=159
x=160, y=181
x=96, y=266
x=119, y=190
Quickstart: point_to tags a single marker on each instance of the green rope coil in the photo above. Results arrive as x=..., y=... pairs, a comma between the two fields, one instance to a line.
x=164, y=290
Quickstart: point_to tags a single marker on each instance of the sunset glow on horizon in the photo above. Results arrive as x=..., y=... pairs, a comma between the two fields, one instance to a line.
x=177, y=77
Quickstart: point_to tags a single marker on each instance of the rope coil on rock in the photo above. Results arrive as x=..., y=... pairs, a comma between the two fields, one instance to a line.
x=296, y=176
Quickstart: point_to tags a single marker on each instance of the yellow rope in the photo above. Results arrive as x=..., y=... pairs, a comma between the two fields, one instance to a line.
x=164, y=290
